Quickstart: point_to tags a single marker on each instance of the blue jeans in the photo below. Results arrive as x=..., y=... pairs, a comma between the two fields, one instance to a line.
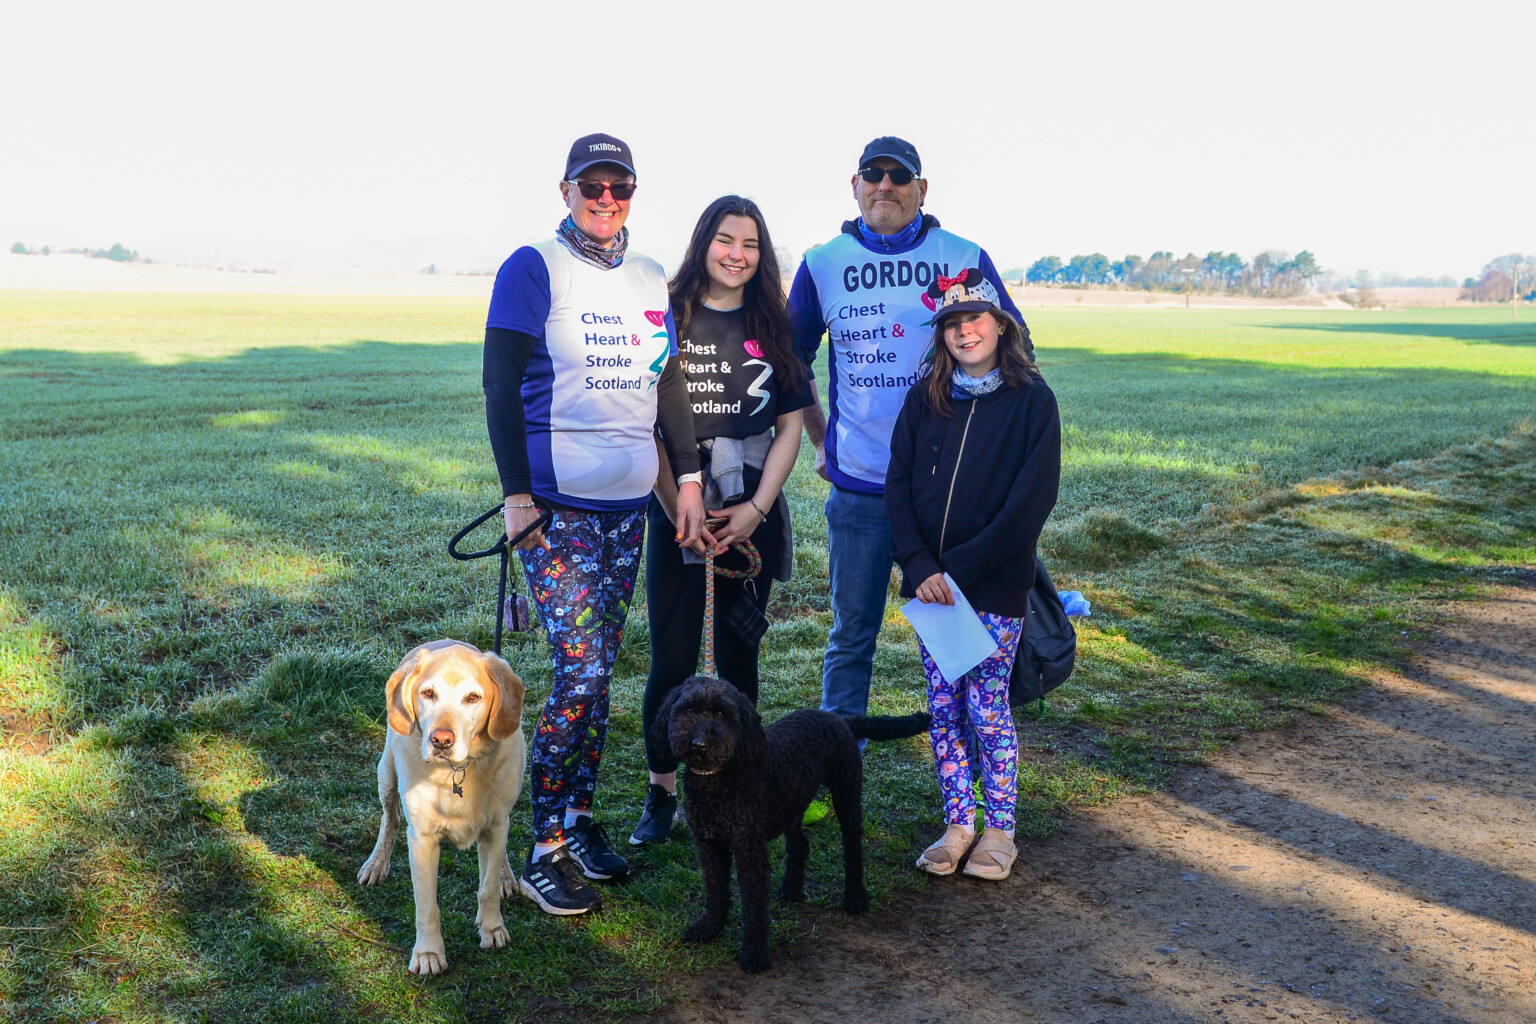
x=859, y=546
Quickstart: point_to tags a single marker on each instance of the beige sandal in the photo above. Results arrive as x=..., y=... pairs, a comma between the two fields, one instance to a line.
x=992, y=857
x=944, y=856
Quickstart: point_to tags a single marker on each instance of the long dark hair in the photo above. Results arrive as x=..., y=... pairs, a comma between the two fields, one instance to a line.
x=762, y=300
x=1015, y=357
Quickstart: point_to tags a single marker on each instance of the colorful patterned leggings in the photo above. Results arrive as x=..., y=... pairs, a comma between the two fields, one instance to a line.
x=581, y=587
x=975, y=712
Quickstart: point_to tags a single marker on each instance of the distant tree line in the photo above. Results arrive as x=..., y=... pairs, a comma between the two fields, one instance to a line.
x=1391, y=280
x=1337, y=281
x=1497, y=281
x=117, y=252
x=1271, y=273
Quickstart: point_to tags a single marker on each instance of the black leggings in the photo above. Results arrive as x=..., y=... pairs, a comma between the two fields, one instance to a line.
x=674, y=598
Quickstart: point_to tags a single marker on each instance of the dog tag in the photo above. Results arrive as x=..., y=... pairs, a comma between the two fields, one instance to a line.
x=458, y=790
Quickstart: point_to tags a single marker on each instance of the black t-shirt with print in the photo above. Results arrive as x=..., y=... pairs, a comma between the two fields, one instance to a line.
x=731, y=386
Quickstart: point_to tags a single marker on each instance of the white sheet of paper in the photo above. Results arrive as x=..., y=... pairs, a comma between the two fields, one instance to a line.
x=956, y=640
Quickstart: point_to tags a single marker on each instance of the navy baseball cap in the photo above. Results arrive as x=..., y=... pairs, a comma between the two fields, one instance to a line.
x=900, y=150
x=597, y=149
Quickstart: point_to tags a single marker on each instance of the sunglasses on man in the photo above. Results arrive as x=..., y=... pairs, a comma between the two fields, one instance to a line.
x=621, y=190
x=898, y=175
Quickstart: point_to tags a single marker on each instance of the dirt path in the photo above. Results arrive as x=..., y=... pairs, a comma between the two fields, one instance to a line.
x=1378, y=865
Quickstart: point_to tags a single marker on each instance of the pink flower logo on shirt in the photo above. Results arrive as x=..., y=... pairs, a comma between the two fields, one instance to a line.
x=753, y=348
x=658, y=317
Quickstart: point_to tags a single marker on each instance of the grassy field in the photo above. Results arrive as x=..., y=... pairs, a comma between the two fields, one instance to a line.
x=223, y=520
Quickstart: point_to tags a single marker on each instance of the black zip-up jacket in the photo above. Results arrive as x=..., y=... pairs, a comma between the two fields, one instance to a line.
x=969, y=494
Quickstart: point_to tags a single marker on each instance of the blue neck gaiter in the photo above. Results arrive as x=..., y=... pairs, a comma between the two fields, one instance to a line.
x=902, y=239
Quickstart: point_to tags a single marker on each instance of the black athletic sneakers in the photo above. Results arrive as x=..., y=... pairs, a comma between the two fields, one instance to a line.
x=657, y=819
x=597, y=859
x=554, y=883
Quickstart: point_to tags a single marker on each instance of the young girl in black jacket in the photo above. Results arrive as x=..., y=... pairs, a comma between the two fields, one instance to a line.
x=975, y=464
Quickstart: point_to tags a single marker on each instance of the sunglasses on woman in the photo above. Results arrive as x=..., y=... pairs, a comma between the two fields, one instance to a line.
x=873, y=175
x=621, y=190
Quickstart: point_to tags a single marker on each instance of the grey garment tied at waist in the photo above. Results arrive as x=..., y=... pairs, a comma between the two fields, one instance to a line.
x=725, y=484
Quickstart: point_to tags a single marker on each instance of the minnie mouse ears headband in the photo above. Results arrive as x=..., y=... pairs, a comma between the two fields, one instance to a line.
x=967, y=292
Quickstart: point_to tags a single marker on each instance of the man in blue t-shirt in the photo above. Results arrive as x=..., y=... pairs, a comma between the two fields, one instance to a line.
x=865, y=292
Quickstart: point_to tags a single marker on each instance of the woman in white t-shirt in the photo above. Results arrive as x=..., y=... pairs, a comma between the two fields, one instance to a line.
x=581, y=373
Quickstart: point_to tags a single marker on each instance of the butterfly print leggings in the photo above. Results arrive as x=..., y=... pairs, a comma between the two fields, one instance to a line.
x=971, y=713
x=581, y=587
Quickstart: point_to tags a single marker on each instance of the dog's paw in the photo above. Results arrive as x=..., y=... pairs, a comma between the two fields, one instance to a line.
x=428, y=962
x=703, y=930
x=494, y=937
x=754, y=961
x=788, y=895
x=855, y=902
x=374, y=870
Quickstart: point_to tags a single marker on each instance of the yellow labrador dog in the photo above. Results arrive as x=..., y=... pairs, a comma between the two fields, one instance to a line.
x=454, y=758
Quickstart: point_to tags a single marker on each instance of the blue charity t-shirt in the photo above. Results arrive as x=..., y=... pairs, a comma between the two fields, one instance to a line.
x=603, y=338
x=868, y=301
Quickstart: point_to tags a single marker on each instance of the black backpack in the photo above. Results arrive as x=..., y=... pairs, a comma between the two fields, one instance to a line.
x=1048, y=648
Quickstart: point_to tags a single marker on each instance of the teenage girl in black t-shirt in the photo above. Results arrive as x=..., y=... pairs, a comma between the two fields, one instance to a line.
x=743, y=382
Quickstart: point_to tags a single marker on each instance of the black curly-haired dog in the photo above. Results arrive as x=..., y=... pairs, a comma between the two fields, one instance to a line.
x=746, y=785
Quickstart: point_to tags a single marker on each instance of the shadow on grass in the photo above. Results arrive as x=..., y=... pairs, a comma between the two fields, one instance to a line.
x=192, y=533
x=188, y=922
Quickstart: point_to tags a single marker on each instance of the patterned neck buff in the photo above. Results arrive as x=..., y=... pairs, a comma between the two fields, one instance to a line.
x=902, y=239
x=964, y=385
x=587, y=250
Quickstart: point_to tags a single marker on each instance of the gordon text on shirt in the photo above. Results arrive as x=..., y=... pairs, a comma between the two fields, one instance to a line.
x=891, y=274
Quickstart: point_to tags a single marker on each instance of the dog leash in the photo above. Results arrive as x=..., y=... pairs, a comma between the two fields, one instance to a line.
x=503, y=547
x=754, y=566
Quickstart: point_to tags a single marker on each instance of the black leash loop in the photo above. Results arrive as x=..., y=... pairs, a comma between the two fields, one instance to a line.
x=544, y=520
x=502, y=547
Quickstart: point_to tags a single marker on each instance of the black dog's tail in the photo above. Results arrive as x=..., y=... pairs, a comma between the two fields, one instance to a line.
x=888, y=727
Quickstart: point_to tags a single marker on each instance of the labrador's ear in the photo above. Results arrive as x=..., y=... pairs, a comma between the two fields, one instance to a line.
x=399, y=693
x=504, y=690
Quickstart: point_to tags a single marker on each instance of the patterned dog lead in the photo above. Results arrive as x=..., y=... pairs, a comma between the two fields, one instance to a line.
x=754, y=566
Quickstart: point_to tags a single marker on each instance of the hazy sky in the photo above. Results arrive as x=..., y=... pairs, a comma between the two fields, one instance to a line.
x=1377, y=135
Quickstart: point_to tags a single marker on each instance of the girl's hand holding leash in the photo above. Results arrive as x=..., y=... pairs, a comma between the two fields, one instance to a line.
x=520, y=513
x=689, y=518
x=668, y=499
x=935, y=590
x=737, y=524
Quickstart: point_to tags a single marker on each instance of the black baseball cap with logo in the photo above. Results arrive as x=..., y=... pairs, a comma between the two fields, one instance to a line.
x=900, y=150
x=597, y=149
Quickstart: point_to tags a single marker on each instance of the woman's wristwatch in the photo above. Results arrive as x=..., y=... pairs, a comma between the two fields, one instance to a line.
x=690, y=478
